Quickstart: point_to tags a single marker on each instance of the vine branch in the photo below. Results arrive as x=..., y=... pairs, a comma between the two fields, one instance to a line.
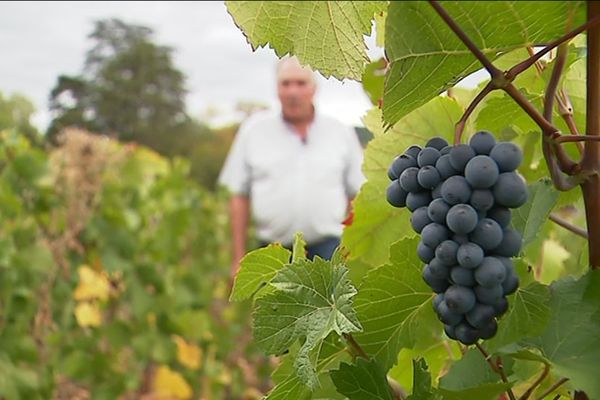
x=568, y=226
x=576, y=138
x=460, y=125
x=552, y=388
x=522, y=66
x=537, y=383
x=497, y=368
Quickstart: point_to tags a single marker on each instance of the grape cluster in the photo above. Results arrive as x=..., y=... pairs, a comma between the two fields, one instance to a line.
x=460, y=197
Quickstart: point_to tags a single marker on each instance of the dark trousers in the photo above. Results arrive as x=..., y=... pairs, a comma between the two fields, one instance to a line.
x=324, y=248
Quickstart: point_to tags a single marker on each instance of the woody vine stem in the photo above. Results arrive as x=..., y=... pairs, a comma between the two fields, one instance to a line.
x=565, y=172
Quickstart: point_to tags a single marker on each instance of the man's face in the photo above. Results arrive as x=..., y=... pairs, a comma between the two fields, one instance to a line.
x=296, y=89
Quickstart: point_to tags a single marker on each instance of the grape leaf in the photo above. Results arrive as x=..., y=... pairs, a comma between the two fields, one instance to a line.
x=326, y=35
x=472, y=378
x=376, y=223
x=298, y=248
x=422, y=383
x=571, y=340
x=310, y=300
x=427, y=57
x=364, y=380
x=529, y=218
x=394, y=306
x=257, y=268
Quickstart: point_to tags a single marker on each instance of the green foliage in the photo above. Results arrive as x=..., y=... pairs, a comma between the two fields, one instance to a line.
x=422, y=389
x=364, y=380
x=529, y=218
x=323, y=35
x=311, y=300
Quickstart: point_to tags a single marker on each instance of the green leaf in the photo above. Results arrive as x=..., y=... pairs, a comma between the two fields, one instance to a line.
x=257, y=268
x=427, y=57
x=376, y=223
x=527, y=317
x=472, y=378
x=373, y=79
x=364, y=380
x=394, y=306
x=298, y=248
x=422, y=382
x=529, y=218
x=571, y=340
x=311, y=299
x=326, y=35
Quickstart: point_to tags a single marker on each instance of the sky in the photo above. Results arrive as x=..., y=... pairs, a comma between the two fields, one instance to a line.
x=41, y=40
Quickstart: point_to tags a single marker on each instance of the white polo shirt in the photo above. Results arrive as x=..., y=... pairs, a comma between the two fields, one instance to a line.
x=294, y=186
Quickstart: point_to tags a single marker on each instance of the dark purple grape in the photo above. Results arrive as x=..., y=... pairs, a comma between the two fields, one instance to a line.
x=437, y=143
x=428, y=177
x=469, y=255
x=447, y=316
x=459, y=299
x=437, y=210
x=489, y=330
x=399, y=164
x=480, y=315
x=481, y=172
x=419, y=219
x=460, y=156
x=449, y=331
x=425, y=253
x=408, y=180
x=395, y=195
x=501, y=306
x=444, y=168
x=466, y=334
x=428, y=156
x=434, y=234
x=490, y=273
x=462, y=276
x=417, y=200
x=446, y=252
x=482, y=142
x=438, y=270
x=510, y=190
x=501, y=215
x=510, y=244
x=487, y=234
x=489, y=295
x=413, y=151
x=461, y=219
x=456, y=190
x=482, y=199
x=437, y=285
x=507, y=155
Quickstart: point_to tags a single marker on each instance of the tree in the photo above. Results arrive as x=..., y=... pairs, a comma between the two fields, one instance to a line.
x=352, y=326
x=15, y=113
x=129, y=88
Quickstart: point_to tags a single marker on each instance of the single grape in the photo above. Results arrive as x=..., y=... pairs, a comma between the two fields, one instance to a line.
x=456, y=190
x=481, y=172
x=437, y=285
x=399, y=164
x=408, y=180
x=461, y=219
x=428, y=156
x=395, y=195
x=489, y=330
x=437, y=210
x=446, y=252
x=417, y=200
x=444, y=168
x=413, y=151
x=482, y=142
x=510, y=244
x=507, y=155
x=438, y=270
x=419, y=219
x=501, y=215
x=480, y=315
x=510, y=284
x=434, y=234
x=466, y=334
x=437, y=143
x=460, y=156
x=469, y=255
x=425, y=253
x=510, y=190
x=447, y=316
x=488, y=295
x=462, y=276
x=449, y=331
x=428, y=177
x=490, y=273
x=487, y=234
x=459, y=299
x=500, y=307
x=482, y=199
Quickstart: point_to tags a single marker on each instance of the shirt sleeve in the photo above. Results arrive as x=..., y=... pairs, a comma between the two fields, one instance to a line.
x=354, y=177
x=235, y=174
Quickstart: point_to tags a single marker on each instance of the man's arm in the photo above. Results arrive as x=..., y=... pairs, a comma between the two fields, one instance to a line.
x=239, y=209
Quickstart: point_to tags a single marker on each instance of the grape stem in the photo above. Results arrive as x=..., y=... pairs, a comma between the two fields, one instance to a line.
x=552, y=388
x=568, y=226
x=498, y=368
x=537, y=382
x=576, y=138
x=460, y=125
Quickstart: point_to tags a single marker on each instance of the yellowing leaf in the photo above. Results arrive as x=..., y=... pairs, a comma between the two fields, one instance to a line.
x=189, y=355
x=169, y=383
x=88, y=314
x=92, y=285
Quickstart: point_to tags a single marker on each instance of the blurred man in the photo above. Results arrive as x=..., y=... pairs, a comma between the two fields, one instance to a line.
x=294, y=170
